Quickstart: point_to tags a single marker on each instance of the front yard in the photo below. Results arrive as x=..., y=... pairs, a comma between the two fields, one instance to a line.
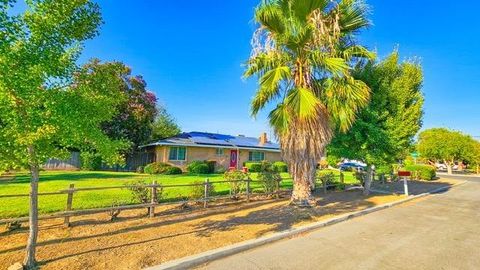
x=51, y=181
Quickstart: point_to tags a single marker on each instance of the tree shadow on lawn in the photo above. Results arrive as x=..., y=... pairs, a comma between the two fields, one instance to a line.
x=283, y=217
x=70, y=176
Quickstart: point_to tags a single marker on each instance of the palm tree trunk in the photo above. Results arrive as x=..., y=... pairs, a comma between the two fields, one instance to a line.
x=303, y=172
x=30, y=261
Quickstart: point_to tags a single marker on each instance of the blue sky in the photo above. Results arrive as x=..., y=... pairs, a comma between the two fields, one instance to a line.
x=191, y=52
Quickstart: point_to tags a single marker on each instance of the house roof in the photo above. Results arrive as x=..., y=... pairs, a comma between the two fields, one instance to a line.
x=204, y=139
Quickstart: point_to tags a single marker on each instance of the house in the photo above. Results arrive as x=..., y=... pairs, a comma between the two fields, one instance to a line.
x=226, y=150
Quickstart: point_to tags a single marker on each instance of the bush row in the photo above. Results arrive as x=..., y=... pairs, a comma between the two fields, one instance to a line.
x=278, y=166
x=424, y=172
x=160, y=168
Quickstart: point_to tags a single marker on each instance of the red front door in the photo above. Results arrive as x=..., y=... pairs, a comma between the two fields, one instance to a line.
x=233, y=158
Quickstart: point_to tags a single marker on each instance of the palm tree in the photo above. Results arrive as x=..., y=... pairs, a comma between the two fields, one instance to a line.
x=303, y=54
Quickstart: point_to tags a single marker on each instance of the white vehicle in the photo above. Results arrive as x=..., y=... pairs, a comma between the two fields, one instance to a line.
x=441, y=167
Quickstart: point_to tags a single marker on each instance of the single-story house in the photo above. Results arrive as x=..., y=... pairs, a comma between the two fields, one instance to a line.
x=226, y=150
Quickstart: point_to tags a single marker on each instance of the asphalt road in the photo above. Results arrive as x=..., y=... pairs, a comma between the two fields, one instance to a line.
x=441, y=231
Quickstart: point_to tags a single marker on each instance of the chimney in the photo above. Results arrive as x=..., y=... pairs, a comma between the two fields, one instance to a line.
x=263, y=138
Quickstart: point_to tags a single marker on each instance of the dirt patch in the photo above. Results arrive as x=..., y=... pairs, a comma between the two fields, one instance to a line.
x=134, y=241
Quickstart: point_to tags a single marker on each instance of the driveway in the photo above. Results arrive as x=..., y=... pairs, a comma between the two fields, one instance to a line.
x=441, y=231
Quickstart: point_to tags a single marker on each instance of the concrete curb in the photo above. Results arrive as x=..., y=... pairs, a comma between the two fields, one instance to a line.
x=215, y=254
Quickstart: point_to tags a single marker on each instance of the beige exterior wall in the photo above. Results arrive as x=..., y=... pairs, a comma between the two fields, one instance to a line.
x=204, y=153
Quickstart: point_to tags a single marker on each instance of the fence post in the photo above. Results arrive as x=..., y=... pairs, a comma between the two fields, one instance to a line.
x=206, y=187
x=324, y=183
x=66, y=221
x=153, y=199
x=248, y=189
x=277, y=189
x=342, y=178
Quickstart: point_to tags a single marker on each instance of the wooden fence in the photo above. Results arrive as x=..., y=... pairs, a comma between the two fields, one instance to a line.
x=154, y=188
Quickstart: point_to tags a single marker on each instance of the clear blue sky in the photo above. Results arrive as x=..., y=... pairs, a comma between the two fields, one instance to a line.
x=190, y=53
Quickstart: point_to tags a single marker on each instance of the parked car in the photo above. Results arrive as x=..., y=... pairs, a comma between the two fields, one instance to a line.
x=441, y=167
x=349, y=166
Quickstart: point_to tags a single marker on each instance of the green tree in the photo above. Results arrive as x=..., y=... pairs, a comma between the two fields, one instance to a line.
x=384, y=131
x=42, y=115
x=136, y=114
x=447, y=146
x=164, y=126
x=304, y=52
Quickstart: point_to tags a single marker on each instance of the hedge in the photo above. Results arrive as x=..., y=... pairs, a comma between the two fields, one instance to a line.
x=253, y=166
x=280, y=166
x=201, y=167
x=156, y=168
x=425, y=172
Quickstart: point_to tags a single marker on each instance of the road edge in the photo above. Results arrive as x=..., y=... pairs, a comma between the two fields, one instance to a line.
x=215, y=254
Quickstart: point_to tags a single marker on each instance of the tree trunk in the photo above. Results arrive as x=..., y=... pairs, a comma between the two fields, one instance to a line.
x=30, y=262
x=449, y=169
x=368, y=181
x=303, y=176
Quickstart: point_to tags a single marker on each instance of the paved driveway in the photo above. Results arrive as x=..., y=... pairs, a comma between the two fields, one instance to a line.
x=441, y=231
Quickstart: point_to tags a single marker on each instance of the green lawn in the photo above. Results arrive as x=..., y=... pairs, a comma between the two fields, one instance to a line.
x=51, y=181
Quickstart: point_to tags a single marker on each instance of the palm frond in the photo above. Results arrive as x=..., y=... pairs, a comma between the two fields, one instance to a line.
x=357, y=51
x=302, y=9
x=263, y=62
x=271, y=17
x=269, y=87
x=303, y=103
x=279, y=118
x=334, y=65
x=353, y=16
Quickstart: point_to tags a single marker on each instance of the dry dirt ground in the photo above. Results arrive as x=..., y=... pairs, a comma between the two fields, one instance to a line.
x=134, y=241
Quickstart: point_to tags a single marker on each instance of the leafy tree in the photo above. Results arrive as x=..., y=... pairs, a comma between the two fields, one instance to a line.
x=385, y=129
x=136, y=113
x=42, y=114
x=164, y=126
x=303, y=54
x=447, y=146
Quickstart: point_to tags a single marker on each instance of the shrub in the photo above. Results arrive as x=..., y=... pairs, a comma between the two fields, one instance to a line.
x=156, y=168
x=211, y=165
x=140, y=169
x=326, y=177
x=172, y=170
x=424, y=172
x=236, y=185
x=199, y=167
x=140, y=193
x=198, y=190
x=270, y=180
x=253, y=166
x=90, y=161
x=384, y=169
x=280, y=166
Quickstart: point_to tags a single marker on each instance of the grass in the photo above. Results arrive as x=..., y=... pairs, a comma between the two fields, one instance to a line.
x=51, y=181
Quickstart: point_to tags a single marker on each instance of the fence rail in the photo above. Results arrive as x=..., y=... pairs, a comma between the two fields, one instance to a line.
x=154, y=188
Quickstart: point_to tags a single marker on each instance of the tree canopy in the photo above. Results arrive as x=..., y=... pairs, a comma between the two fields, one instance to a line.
x=137, y=110
x=43, y=113
x=384, y=131
x=164, y=126
x=447, y=146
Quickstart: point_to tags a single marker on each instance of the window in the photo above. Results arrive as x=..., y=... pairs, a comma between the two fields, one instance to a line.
x=177, y=153
x=220, y=152
x=256, y=156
